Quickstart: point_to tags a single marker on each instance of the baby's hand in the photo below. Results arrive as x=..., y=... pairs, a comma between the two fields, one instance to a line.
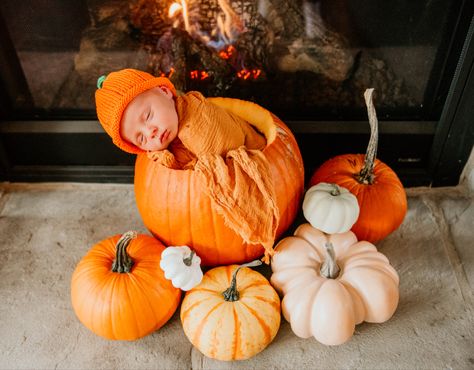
x=165, y=158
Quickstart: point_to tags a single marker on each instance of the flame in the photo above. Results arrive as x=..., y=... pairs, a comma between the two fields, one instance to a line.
x=174, y=9
x=229, y=24
x=182, y=7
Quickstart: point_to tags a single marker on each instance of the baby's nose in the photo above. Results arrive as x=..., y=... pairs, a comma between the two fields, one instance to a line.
x=152, y=132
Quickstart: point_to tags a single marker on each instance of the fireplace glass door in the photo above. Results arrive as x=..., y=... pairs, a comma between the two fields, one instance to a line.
x=307, y=61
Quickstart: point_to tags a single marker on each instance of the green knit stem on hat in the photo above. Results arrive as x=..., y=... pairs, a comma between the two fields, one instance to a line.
x=100, y=81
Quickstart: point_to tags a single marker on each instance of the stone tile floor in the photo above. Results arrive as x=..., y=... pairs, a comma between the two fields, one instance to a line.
x=45, y=229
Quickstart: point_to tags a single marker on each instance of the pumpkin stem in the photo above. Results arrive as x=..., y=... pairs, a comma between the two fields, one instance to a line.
x=189, y=259
x=329, y=268
x=122, y=262
x=366, y=175
x=335, y=190
x=231, y=294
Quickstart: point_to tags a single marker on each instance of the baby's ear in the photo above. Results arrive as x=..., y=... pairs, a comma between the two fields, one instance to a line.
x=166, y=90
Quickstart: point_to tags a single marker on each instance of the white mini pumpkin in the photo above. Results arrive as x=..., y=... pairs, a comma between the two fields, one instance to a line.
x=182, y=266
x=330, y=208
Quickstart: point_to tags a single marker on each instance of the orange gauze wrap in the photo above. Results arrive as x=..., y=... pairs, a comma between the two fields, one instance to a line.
x=234, y=169
x=117, y=91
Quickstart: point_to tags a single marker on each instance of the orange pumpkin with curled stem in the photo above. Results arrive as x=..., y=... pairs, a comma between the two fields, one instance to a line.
x=381, y=196
x=118, y=290
x=233, y=314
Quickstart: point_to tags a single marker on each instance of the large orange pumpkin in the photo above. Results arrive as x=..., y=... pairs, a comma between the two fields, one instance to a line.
x=174, y=206
x=118, y=290
x=229, y=317
x=381, y=196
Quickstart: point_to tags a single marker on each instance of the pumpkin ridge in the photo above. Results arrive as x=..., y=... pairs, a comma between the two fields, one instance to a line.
x=198, y=332
x=384, y=270
x=113, y=282
x=126, y=288
x=368, y=256
x=138, y=284
x=352, y=290
x=287, y=214
x=107, y=284
x=189, y=206
x=313, y=247
x=79, y=275
x=266, y=329
x=215, y=250
x=191, y=307
x=214, y=341
x=210, y=276
x=380, y=276
x=237, y=339
x=168, y=221
x=313, y=298
x=254, y=285
x=271, y=302
x=356, y=258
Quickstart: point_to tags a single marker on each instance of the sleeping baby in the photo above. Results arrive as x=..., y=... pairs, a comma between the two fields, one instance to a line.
x=143, y=113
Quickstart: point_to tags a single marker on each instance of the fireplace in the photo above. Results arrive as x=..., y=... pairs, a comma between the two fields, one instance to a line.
x=307, y=61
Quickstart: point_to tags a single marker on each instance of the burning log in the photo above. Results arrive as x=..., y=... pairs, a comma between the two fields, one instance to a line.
x=318, y=49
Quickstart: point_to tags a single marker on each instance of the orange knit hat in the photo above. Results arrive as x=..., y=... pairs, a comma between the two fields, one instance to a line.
x=113, y=94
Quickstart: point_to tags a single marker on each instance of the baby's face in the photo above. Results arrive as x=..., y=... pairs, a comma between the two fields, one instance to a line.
x=150, y=121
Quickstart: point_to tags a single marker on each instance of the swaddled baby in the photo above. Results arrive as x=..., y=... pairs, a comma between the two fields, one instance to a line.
x=143, y=113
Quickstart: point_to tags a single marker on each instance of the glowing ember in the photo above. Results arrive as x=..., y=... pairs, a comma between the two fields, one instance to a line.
x=227, y=53
x=198, y=75
x=169, y=74
x=246, y=74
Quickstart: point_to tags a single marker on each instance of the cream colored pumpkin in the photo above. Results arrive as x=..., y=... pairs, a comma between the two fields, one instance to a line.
x=319, y=300
x=182, y=266
x=330, y=208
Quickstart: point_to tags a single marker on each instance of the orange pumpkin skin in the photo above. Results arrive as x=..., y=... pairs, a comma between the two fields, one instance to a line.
x=124, y=306
x=230, y=331
x=175, y=208
x=383, y=204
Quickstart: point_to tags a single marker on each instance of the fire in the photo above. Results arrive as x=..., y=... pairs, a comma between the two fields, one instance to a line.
x=229, y=27
x=229, y=24
x=182, y=7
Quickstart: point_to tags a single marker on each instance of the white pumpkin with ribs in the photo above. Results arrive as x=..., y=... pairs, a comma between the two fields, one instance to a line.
x=330, y=283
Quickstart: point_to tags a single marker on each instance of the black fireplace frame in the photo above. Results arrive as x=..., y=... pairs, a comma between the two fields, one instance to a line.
x=423, y=153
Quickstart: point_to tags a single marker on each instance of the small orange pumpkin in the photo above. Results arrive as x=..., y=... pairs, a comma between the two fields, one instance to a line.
x=175, y=207
x=118, y=290
x=381, y=196
x=228, y=318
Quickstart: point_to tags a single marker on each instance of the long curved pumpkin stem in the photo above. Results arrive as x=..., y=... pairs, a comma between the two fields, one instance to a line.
x=122, y=262
x=231, y=294
x=366, y=175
